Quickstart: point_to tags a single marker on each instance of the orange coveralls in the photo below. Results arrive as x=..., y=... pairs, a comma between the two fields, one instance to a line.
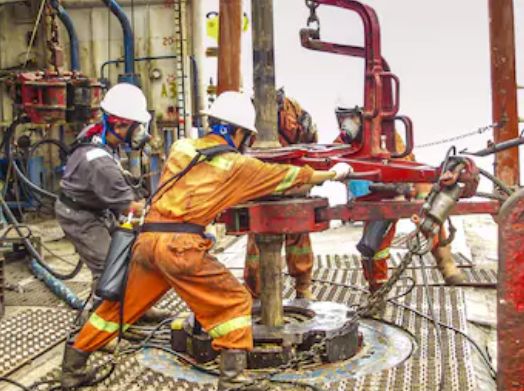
x=299, y=253
x=181, y=260
x=378, y=274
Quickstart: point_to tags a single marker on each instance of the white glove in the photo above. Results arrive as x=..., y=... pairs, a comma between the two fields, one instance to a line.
x=342, y=171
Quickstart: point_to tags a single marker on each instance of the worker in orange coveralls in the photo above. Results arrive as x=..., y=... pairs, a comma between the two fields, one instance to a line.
x=173, y=252
x=295, y=126
x=374, y=260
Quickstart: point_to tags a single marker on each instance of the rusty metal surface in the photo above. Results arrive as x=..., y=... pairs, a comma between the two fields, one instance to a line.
x=229, y=47
x=504, y=87
x=510, y=294
x=299, y=215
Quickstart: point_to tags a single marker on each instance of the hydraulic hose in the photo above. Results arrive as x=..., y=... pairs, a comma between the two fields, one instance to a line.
x=10, y=155
x=129, y=39
x=32, y=251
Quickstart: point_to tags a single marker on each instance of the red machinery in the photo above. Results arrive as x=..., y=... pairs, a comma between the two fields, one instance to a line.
x=56, y=98
x=374, y=158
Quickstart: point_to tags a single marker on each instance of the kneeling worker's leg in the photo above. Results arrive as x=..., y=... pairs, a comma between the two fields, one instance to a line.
x=145, y=286
x=220, y=303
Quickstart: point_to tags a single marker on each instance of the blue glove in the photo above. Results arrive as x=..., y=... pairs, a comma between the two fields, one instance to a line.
x=359, y=188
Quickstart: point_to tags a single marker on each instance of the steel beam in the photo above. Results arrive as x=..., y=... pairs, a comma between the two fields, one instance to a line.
x=229, y=45
x=504, y=87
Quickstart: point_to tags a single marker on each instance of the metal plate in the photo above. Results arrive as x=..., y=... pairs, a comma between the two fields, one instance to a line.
x=352, y=261
x=29, y=334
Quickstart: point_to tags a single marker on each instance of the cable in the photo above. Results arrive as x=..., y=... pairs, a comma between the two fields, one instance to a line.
x=14, y=383
x=29, y=246
x=33, y=34
x=422, y=315
x=496, y=197
x=435, y=323
x=501, y=185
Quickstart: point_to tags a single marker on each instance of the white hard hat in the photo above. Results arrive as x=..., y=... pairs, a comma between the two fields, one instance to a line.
x=126, y=101
x=235, y=108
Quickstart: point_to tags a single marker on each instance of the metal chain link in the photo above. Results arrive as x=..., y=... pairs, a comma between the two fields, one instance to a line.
x=479, y=131
x=313, y=17
x=416, y=246
x=53, y=43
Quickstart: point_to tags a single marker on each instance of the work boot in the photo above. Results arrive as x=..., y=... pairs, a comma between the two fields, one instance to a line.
x=232, y=376
x=305, y=294
x=156, y=315
x=74, y=369
x=451, y=273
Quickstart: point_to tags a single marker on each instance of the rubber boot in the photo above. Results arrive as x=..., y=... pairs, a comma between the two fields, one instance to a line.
x=232, y=376
x=451, y=273
x=305, y=294
x=74, y=368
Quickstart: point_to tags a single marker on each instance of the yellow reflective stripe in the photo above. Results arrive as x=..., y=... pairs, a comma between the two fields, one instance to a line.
x=104, y=325
x=296, y=250
x=184, y=146
x=221, y=163
x=421, y=196
x=288, y=180
x=382, y=254
x=229, y=326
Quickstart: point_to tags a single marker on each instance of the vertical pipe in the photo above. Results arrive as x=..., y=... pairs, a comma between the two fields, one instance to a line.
x=272, y=310
x=71, y=32
x=229, y=46
x=129, y=39
x=504, y=87
x=266, y=123
x=199, y=59
x=264, y=73
x=510, y=295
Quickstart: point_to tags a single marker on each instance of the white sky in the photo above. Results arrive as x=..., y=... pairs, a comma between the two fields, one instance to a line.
x=439, y=50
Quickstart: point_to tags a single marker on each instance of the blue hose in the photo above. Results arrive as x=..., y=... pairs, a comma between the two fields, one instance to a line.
x=56, y=286
x=129, y=39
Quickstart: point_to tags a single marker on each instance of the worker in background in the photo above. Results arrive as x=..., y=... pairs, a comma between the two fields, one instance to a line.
x=295, y=126
x=173, y=252
x=94, y=189
x=374, y=263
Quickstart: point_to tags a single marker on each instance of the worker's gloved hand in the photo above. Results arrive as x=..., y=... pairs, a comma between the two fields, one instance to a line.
x=342, y=171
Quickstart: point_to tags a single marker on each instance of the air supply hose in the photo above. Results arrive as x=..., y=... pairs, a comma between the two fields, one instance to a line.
x=32, y=251
x=10, y=155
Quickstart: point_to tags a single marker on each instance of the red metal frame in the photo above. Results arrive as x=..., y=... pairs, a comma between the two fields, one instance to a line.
x=290, y=216
x=510, y=294
x=381, y=87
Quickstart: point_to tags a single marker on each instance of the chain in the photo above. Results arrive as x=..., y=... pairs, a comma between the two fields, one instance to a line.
x=313, y=17
x=462, y=136
x=416, y=246
x=53, y=43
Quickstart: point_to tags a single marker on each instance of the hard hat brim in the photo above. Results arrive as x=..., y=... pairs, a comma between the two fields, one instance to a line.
x=250, y=128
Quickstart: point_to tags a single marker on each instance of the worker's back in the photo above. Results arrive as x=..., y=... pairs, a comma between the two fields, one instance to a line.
x=212, y=186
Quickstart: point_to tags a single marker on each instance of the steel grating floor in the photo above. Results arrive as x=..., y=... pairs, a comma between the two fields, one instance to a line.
x=420, y=372
x=352, y=261
x=29, y=334
x=347, y=269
